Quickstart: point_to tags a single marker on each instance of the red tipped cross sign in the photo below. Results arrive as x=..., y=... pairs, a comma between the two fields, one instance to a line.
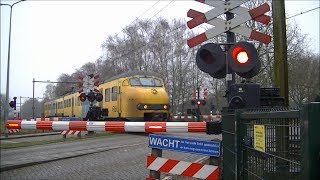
x=233, y=25
x=88, y=83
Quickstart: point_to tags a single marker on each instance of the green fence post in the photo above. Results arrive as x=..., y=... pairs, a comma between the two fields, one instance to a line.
x=311, y=141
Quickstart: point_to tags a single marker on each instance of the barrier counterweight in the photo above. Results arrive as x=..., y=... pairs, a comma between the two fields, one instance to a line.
x=148, y=127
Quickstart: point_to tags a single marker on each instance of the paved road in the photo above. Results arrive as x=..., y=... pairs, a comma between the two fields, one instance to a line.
x=121, y=156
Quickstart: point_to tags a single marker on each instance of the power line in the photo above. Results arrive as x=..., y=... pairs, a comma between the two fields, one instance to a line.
x=303, y=12
x=144, y=45
x=139, y=16
x=149, y=20
x=162, y=9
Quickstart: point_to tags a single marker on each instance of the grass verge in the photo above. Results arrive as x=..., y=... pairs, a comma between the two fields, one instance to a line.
x=68, y=139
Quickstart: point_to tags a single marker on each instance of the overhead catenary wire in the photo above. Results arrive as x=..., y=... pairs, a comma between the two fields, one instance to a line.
x=161, y=9
x=139, y=16
x=145, y=45
x=150, y=19
x=303, y=12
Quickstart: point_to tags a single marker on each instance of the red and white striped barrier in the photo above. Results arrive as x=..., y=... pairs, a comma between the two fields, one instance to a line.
x=71, y=132
x=148, y=127
x=11, y=131
x=183, y=168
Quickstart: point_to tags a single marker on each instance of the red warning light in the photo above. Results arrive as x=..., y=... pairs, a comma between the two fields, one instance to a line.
x=83, y=97
x=240, y=55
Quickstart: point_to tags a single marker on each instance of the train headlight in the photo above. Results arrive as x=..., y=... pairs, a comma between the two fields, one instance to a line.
x=145, y=107
x=165, y=107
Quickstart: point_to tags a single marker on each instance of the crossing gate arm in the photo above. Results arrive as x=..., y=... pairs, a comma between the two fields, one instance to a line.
x=112, y=126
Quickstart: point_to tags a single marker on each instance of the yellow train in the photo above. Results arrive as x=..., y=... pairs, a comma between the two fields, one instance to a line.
x=133, y=96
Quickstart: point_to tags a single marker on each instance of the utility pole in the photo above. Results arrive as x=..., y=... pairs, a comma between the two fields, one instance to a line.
x=280, y=71
x=6, y=110
x=280, y=49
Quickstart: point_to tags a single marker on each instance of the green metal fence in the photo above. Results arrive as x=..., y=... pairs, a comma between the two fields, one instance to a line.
x=271, y=143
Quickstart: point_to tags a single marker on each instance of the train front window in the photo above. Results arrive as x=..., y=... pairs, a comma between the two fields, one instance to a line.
x=135, y=82
x=146, y=82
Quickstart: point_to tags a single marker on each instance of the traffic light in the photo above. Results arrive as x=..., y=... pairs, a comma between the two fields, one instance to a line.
x=99, y=97
x=13, y=104
x=243, y=59
x=83, y=97
x=210, y=59
x=91, y=97
x=193, y=102
x=201, y=102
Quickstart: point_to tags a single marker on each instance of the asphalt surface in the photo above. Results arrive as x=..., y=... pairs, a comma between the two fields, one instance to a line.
x=27, y=156
x=2, y=137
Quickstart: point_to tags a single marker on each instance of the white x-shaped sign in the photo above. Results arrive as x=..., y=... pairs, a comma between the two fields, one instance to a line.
x=233, y=25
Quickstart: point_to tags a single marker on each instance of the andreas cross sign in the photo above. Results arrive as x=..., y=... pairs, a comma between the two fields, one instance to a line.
x=232, y=25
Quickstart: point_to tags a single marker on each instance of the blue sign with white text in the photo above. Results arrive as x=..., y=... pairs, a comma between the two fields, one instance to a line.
x=209, y=148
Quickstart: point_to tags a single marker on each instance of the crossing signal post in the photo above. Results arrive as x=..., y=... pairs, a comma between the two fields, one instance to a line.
x=88, y=87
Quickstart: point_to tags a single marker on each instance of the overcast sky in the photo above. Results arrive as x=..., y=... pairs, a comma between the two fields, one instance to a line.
x=53, y=37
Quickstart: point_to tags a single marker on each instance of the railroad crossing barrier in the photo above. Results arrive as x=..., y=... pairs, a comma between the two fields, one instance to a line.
x=70, y=132
x=182, y=168
x=147, y=127
x=156, y=164
x=11, y=131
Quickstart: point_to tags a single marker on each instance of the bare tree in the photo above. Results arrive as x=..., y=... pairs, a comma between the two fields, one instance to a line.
x=49, y=94
x=64, y=88
x=26, y=108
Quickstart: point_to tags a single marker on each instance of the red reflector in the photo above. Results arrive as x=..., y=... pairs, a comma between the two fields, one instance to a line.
x=13, y=125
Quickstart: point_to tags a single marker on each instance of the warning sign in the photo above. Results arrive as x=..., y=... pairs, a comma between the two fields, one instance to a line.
x=259, y=138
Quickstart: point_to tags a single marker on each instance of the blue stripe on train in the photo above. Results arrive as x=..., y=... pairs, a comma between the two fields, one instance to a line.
x=71, y=119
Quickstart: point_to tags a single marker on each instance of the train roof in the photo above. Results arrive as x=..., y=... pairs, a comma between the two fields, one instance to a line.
x=132, y=73
x=123, y=75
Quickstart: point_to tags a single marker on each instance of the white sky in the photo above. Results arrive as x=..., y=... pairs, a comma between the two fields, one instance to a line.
x=53, y=37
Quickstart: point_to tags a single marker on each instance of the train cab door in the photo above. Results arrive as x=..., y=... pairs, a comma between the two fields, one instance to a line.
x=72, y=107
x=123, y=98
x=119, y=99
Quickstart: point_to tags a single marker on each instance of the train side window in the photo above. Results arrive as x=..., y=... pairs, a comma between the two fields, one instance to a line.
x=157, y=82
x=114, y=93
x=107, y=95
